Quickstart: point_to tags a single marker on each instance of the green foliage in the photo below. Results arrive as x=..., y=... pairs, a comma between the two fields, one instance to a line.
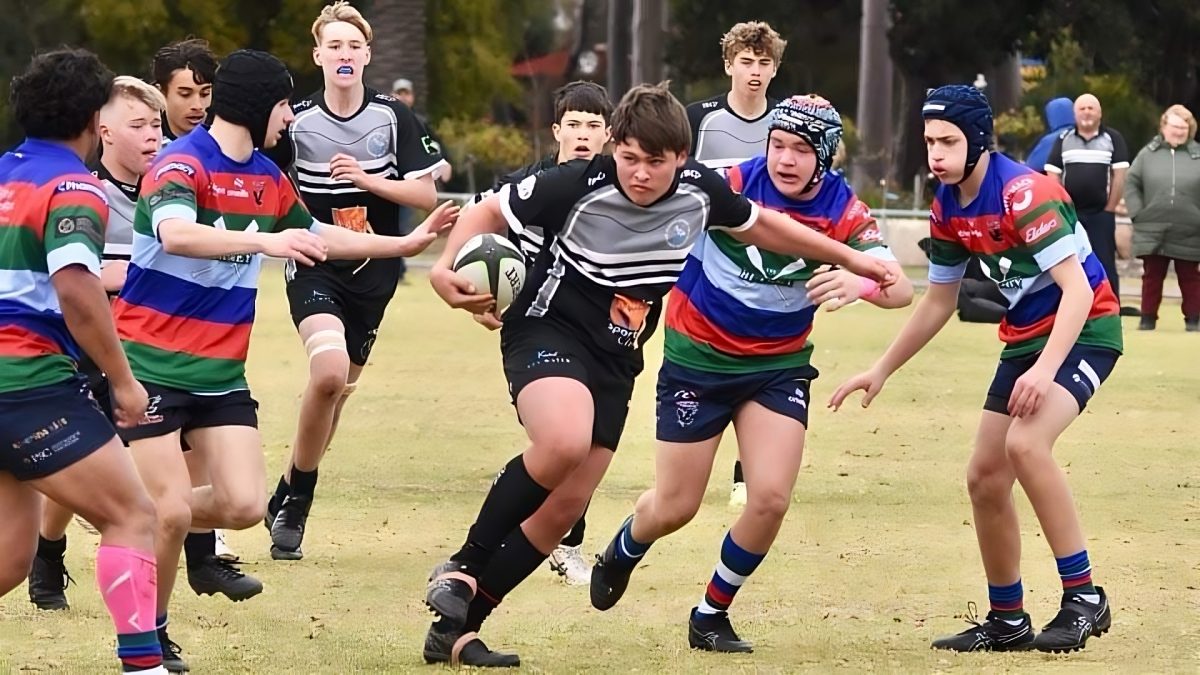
x=495, y=147
x=1020, y=128
x=470, y=54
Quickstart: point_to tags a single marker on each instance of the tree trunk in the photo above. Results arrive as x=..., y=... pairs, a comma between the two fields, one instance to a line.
x=874, y=97
x=398, y=49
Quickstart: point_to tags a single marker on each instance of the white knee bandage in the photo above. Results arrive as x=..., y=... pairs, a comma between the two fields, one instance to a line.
x=323, y=341
x=350, y=387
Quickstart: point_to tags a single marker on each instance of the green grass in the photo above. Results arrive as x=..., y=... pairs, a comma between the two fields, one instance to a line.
x=877, y=555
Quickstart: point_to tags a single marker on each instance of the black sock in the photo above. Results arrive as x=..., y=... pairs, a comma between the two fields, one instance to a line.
x=512, y=564
x=51, y=550
x=281, y=492
x=575, y=536
x=304, y=483
x=514, y=496
x=737, y=472
x=197, y=545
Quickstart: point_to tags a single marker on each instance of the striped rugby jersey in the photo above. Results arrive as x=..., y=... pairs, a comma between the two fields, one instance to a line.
x=608, y=262
x=1019, y=226
x=122, y=202
x=721, y=138
x=52, y=215
x=185, y=322
x=530, y=239
x=740, y=309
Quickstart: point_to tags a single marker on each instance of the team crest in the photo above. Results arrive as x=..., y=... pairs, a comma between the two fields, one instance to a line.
x=377, y=144
x=678, y=233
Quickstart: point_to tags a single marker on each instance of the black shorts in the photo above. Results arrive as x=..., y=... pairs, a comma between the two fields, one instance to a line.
x=1081, y=374
x=47, y=429
x=695, y=405
x=536, y=348
x=173, y=410
x=323, y=289
x=97, y=383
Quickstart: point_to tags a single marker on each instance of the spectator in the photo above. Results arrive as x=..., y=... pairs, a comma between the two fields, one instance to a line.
x=1090, y=160
x=402, y=90
x=1059, y=118
x=1163, y=199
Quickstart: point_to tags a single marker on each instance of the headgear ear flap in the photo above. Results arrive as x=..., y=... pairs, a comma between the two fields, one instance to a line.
x=968, y=109
x=248, y=85
x=817, y=122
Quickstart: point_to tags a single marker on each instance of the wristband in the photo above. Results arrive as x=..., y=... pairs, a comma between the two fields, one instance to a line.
x=868, y=289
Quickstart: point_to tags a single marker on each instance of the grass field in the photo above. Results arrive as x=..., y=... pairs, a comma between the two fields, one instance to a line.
x=877, y=555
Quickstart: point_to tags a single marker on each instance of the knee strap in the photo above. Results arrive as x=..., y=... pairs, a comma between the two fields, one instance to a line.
x=324, y=341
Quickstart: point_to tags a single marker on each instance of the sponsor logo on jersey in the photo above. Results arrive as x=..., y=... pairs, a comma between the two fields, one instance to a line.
x=174, y=166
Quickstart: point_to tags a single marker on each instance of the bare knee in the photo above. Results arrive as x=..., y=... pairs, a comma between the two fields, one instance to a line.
x=676, y=510
x=174, y=516
x=244, y=511
x=767, y=504
x=989, y=483
x=1023, y=450
x=328, y=384
x=14, y=568
x=565, y=449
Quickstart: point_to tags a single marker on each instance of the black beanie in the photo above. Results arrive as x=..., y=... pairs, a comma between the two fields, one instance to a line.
x=248, y=85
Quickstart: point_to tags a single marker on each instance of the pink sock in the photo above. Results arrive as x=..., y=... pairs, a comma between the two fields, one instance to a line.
x=128, y=581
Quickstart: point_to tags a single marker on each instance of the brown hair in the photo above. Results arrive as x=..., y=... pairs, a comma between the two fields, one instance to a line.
x=757, y=36
x=652, y=116
x=340, y=11
x=1183, y=114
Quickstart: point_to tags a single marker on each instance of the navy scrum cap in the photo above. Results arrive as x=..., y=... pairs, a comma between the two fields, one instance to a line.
x=968, y=109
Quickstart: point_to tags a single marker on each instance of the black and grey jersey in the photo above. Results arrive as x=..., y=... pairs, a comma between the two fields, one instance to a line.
x=530, y=238
x=122, y=202
x=721, y=138
x=383, y=136
x=608, y=262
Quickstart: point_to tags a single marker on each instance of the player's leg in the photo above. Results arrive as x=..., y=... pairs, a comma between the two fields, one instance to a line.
x=212, y=567
x=234, y=500
x=160, y=464
x=1030, y=442
x=21, y=506
x=771, y=446
x=567, y=559
x=48, y=577
x=522, y=552
x=990, y=479
x=324, y=339
x=693, y=410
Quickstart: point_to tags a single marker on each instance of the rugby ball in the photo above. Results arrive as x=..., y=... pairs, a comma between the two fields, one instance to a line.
x=495, y=265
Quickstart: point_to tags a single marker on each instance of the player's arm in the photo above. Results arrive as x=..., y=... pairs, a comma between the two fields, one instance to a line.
x=774, y=231
x=344, y=244
x=419, y=192
x=193, y=240
x=482, y=218
x=838, y=287
x=89, y=318
x=1120, y=167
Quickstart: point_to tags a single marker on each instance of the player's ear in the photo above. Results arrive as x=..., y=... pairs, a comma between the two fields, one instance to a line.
x=555, y=130
x=368, y=59
x=681, y=159
x=728, y=67
x=316, y=57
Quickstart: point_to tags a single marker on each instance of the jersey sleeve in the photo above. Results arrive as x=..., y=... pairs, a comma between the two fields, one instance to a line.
x=291, y=214
x=545, y=199
x=728, y=210
x=1054, y=162
x=696, y=113
x=859, y=230
x=171, y=192
x=1120, y=155
x=1044, y=219
x=947, y=256
x=76, y=216
x=417, y=153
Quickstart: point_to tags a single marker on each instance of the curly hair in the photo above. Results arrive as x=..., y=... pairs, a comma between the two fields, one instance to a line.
x=757, y=36
x=59, y=93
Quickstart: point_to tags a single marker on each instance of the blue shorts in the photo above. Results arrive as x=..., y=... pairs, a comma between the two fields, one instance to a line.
x=696, y=405
x=1081, y=374
x=47, y=429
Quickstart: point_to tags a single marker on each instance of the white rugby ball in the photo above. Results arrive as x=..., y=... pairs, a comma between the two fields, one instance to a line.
x=495, y=265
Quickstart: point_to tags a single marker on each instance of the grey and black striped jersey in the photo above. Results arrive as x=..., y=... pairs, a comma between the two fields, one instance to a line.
x=721, y=138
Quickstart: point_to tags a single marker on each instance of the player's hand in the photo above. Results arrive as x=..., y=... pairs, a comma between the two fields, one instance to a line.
x=302, y=246
x=488, y=320
x=440, y=220
x=455, y=290
x=343, y=167
x=870, y=382
x=112, y=275
x=129, y=402
x=1029, y=391
x=833, y=288
x=872, y=268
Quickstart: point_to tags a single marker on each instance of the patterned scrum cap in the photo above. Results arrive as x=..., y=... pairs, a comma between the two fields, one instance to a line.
x=816, y=121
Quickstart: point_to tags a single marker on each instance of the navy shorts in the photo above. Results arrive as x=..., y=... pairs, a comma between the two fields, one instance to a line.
x=695, y=405
x=47, y=429
x=174, y=409
x=1081, y=374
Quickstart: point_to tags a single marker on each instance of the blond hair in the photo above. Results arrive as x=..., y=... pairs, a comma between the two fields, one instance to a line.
x=344, y=12
x=757, y=36
x=129, y=87
x=1183, y=114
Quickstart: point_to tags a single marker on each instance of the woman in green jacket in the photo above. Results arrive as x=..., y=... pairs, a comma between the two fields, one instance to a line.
x=1162, y=195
